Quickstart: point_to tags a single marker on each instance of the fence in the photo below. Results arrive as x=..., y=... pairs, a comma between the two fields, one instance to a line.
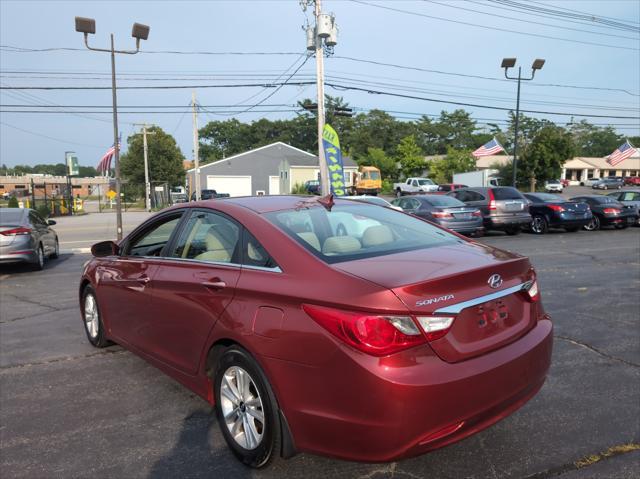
x=59, y=199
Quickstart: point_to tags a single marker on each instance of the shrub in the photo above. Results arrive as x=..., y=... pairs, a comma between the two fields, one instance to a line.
x=299, y=189
x=13, y=202
x=44, y=211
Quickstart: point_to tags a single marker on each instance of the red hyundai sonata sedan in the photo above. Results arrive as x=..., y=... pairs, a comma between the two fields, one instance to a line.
x=354, y=331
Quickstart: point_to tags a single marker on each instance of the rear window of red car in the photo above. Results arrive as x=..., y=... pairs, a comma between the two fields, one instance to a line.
x=357, y=231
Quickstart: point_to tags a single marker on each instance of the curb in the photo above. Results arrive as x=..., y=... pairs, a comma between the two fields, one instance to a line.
x=75, y=251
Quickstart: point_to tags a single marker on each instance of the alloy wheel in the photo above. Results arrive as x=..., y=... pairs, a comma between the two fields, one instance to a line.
x=593, y=225
x=91, y=318
x=537, y=225
x=242, y=408
x=40, y=257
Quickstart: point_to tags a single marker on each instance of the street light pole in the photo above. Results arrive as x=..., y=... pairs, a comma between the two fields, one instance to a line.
x=116, y=143
x=139, y=32
x=510, y=63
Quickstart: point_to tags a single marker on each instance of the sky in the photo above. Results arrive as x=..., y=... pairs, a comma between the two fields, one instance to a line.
x=443, y=50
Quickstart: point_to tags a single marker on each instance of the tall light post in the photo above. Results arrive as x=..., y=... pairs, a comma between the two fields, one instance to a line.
x=139, y=32
x=510, y=63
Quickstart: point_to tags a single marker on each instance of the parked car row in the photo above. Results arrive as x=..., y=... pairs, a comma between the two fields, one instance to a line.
x=474, y=210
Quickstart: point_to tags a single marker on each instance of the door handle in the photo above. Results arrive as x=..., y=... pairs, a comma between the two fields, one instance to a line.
x=143, y=279
x=214, y=284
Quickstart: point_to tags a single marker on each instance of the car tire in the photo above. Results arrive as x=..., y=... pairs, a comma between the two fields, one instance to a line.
x=593, y=225
x=56, y=251
x=539, y=225
x=92, y=319
x=38, y=265
x=263, y=443
x=573, y=229
x=513, y=231
x=623, y=226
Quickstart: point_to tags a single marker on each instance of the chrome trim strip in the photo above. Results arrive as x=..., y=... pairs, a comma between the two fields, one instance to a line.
x=458, y=307
x=209, y=263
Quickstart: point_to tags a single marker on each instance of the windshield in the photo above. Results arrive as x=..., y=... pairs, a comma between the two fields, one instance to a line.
x=447, y=201
x=425, y=181
x=605, y=200
x=374, y=175
x=357, y=231
x=547, y=198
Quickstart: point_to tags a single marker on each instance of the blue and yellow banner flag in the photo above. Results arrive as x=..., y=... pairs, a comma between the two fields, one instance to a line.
x=333, y=157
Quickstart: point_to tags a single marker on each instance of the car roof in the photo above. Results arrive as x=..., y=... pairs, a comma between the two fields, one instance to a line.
x=265, y=203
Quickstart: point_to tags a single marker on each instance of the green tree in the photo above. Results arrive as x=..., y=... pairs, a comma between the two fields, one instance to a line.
x=594, y=141
x=378, y=158
x=410, y=157
x=165, y=159
x=13, y=202
x=456, y=161
x=546, y=154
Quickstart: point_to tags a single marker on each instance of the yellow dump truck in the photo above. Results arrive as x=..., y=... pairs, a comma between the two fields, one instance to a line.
x=367, y=181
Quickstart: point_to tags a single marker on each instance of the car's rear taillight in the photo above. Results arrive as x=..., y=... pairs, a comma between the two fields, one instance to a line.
x=435, y=327
x=533, y=291
x=492, y=200
x=556, y=208
x=441, y=214
x=378, y=335
x=611, y=211
x=16, y=231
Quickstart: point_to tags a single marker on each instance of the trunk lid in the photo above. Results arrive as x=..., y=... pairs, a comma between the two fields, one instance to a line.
x=433, y=279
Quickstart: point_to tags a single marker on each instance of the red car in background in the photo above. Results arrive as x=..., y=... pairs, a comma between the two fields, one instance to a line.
x=632, y=180
x=371, y=346
x=447, y=187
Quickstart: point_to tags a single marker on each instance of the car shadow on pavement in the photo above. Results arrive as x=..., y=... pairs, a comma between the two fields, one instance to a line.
x=194, y=455
x=22, y=268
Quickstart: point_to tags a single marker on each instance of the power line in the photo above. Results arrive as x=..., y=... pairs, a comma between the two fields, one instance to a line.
x=623, y=20
x=16, y=49
x=48, y=137
x=563, y=27
x=417, y=14
x=558, y=13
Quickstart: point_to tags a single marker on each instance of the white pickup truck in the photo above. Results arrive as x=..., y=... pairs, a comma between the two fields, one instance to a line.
x=414, y=185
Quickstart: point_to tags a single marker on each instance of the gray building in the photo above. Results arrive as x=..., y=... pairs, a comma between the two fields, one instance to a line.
x=269, y=170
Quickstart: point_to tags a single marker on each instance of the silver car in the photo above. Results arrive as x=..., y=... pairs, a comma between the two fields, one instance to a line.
x=25, y=236
x=630, y=199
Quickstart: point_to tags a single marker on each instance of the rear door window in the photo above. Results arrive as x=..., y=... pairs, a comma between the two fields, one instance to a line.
x=208, y=236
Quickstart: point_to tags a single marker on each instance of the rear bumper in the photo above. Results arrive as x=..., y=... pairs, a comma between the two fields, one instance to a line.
x=564, y=220
x=506, y=221
x=28, y=256
x=362, y=408
x=463, y=226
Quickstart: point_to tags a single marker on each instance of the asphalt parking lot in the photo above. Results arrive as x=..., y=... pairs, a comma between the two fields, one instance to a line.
x=68, y=410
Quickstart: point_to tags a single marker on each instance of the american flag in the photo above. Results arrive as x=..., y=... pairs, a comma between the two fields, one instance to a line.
x=621, y=153
x=488, y=149
x=104, y=165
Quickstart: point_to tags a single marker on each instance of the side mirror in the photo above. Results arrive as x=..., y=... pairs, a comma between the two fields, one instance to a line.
x=51, y=222
x=105, y=248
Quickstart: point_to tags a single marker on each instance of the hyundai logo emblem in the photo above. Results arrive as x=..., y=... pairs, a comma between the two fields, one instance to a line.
x=495, y=281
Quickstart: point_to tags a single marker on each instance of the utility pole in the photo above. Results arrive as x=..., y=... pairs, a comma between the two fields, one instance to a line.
x=196, y=147
x=147, y=183
x=325, y=188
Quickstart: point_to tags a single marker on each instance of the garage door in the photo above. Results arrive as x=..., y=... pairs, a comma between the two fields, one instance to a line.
x=274, y=185
x=234, y=185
